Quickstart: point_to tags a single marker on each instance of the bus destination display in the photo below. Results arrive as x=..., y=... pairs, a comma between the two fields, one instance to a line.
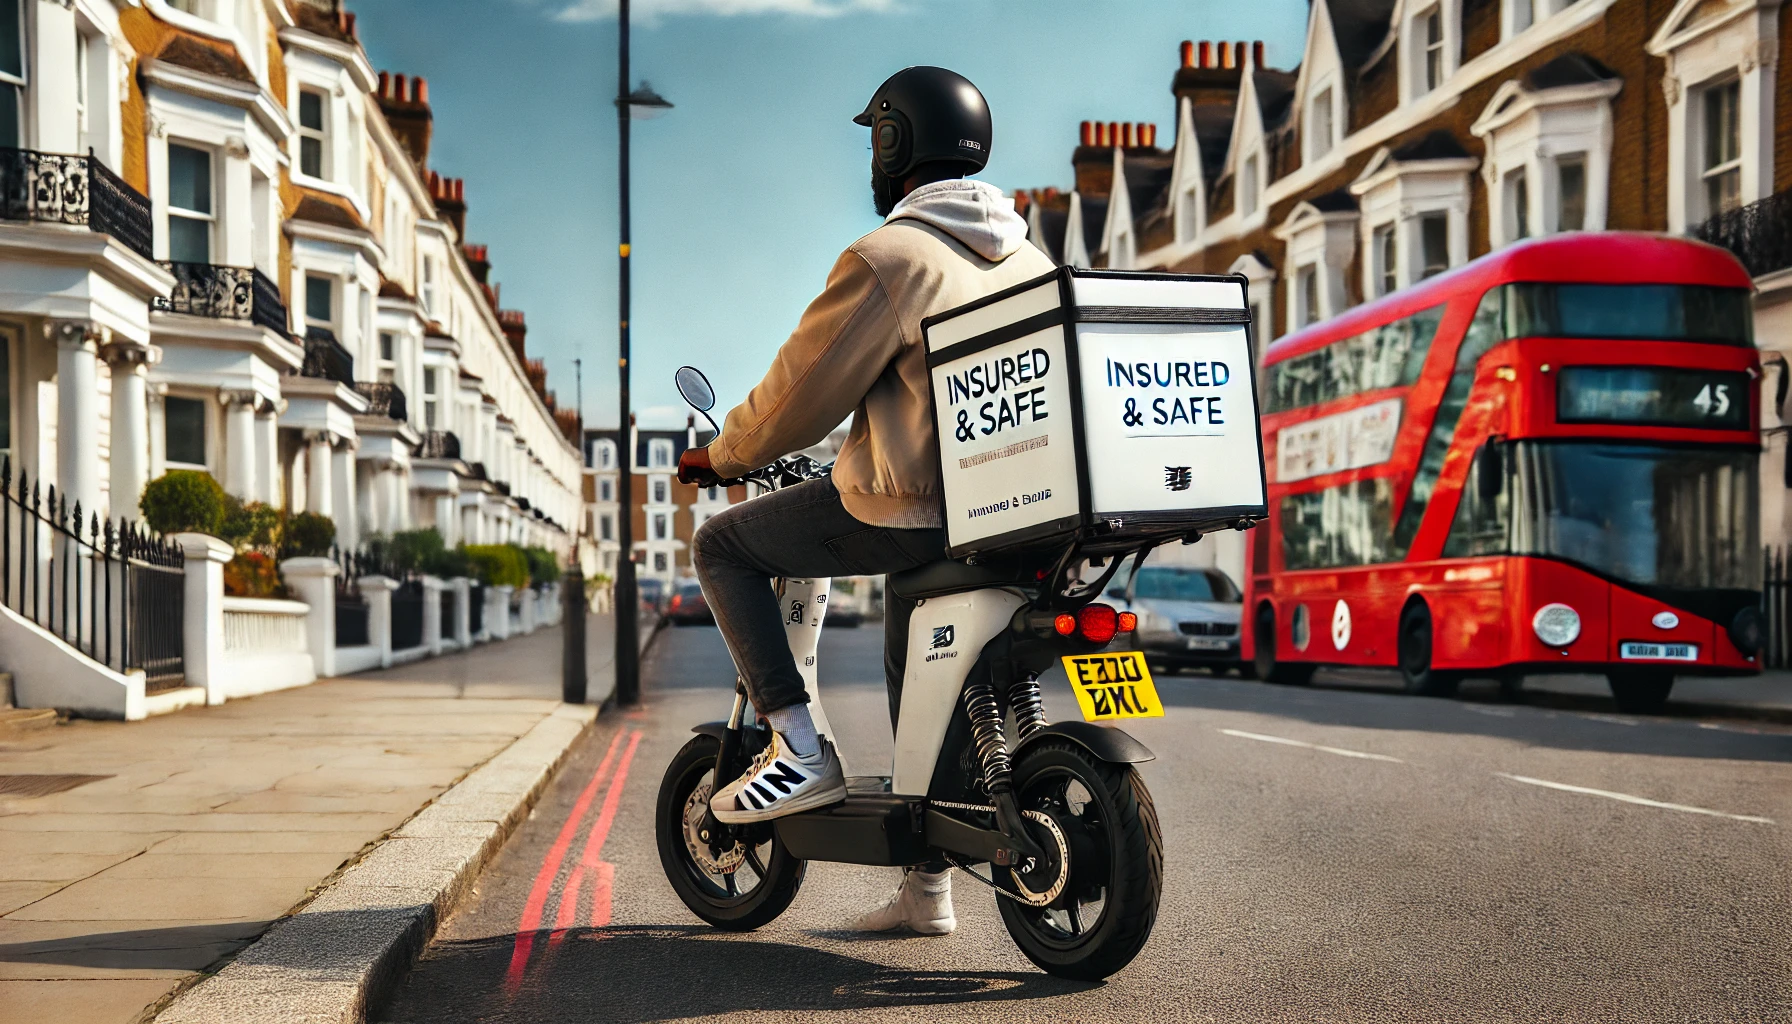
x=1653, y=396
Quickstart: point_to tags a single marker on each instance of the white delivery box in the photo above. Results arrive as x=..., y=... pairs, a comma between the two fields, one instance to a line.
x=1106, y=407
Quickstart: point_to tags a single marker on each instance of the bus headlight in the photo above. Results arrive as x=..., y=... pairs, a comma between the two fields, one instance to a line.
x=1745, y=630
x=1556, y=624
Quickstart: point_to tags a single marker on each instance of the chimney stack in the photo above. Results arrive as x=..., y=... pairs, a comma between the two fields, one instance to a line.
x=405, y=102
x=1188, y=54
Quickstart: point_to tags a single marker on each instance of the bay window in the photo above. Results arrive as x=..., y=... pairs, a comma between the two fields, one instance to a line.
x=320, y=301
x=184, y=431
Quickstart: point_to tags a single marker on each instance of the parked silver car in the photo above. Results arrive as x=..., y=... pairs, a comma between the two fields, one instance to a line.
x=1187, y=617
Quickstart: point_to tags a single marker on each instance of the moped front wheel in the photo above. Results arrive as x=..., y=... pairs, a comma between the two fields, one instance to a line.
x=1093, y=901
x=739, y=884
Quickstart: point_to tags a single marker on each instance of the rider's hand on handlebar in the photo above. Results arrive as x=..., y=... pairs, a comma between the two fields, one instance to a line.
x=694, y=468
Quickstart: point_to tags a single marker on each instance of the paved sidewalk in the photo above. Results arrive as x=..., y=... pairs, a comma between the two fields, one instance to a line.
x=133, y=855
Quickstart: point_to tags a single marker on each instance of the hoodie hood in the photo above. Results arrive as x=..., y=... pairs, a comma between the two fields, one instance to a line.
x=974, y=212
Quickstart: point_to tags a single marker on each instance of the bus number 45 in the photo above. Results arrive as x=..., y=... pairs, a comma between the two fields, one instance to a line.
x=1713, y=401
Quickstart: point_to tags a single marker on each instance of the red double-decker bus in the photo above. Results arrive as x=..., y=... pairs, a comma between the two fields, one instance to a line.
x=1543, y=461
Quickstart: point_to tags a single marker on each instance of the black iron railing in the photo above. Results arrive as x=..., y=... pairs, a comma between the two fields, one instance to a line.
x=1760, y=234
x=225, y=293
x=439, y=444
x=351, y=607
x=1776, y=608
x=64, y=189
x=325, y=358
x=111, y=590
x=475, y=608
x=384, y=399
x=407, y=615
x=448, y=598
x=478, y=470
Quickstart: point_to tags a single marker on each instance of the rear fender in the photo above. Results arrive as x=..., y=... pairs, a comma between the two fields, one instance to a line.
x=1109, y=744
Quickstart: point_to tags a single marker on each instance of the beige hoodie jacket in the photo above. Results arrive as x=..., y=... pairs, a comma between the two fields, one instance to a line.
x=858, y=349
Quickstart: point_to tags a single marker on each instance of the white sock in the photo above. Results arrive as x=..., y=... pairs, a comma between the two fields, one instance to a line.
x=798, y=729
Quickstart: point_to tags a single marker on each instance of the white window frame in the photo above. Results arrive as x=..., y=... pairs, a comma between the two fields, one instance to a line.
x=1187, y=184
x=1416, y=49
x=1250, y=184
x=606, y=527
x=321, y=135
x=662, y=562
x=603, y=454
x=1518, y=15
x=1740, y=42
x=1325, y=241
x=1536, y=130
x=659, y=490
x=336, y=293
x=1405, y=191
x=606, y=489
x=659, y=525
x=659, y=453
x=1260, y=280
x=1701, y=144
x=208, y=217
x=22, y=80
x=431, y=397
x=1322, y=112
x=1517, y=201
x=1384, y=252
x=208, y=430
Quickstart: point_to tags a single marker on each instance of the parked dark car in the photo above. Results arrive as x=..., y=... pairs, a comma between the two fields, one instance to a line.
x=688, y=608
x=1188, y=617
x=652, y=592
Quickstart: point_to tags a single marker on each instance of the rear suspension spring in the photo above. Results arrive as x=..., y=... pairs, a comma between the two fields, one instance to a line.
x=1029, y=706
x=985, y=713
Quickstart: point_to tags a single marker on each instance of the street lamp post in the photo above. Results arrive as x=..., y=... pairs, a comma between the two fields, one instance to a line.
x=643, y=103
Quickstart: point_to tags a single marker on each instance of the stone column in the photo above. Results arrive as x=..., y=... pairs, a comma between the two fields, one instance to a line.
x=497, y=611
x=463, y=613
x=319, y=494
x=314, y=579
x=157, y=395
x=130, y=424
x=78, y=410
x=346, y=514
x=378, y=592
x=432, y=614
x=267, y=453
x=202, y=630
x=239, y=443
x=526, y=613
x=445, y=519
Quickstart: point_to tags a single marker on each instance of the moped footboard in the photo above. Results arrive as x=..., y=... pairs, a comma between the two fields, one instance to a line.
x=866, y=828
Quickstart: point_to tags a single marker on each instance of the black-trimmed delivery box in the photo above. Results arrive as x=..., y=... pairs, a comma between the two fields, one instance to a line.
x=1110, y=406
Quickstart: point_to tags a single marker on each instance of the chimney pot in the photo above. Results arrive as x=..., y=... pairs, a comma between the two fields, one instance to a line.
x=398, y=89
x=420, y=90
x=1149, y=139
x=1206, y=53
x=348, y=24
x=1226, y=55
x=1113, y=133
x=1129, y=136
x=385, y=80
x=1257, y=54
x=1088, y=133
x=1238, y=54
x=1188, y=54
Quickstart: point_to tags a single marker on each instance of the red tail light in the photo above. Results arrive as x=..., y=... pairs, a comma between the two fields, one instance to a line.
x=677, y=599
x=1097, y=623
x=1128, y=622
x=1065, y=624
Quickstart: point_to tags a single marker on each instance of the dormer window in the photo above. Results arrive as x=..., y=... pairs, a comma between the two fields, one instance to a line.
x=312, y=133
x=659, y=453
x=1519, y=15
x=1319, y=125
x=1248, y=187
x=1433, y=22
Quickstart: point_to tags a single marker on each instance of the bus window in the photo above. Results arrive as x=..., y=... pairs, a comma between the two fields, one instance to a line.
x=1484, y=516
x=1339, y=526
x=1651, y=312
x=1382, y=357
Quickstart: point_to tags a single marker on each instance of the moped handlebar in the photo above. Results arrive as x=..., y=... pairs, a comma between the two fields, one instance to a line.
x=785, y=472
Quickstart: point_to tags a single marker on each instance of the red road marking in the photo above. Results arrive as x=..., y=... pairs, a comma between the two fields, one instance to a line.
x=600, y=831
x=550, y=869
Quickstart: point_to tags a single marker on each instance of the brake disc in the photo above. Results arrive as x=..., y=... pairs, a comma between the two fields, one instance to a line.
x=1043, y=897
x=696, y=806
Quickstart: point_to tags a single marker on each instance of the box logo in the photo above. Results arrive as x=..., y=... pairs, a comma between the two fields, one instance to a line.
x=943, y=637
x=1178, y=478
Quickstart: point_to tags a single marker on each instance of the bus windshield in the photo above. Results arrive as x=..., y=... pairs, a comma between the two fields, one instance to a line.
x=1649, y=515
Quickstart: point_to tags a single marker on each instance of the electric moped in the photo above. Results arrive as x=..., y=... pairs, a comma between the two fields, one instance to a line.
x=1060, y=817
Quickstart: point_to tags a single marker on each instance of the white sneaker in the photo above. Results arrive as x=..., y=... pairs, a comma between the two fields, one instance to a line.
x=779, y=782
x=923, y=905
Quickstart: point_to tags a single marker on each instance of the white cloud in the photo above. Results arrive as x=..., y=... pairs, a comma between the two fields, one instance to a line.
x=652, y=10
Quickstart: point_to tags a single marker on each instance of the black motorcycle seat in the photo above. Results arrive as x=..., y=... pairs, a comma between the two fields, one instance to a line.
x=947, y=576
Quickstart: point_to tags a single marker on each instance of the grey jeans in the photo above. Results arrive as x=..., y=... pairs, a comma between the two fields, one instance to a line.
x=805, y=532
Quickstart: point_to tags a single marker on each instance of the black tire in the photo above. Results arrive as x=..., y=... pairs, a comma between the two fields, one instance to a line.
x=1115, y=849
x=776, y=872
x=1415, y=654
x=1264, y=664
x=1641, y=691
x=1511, y=682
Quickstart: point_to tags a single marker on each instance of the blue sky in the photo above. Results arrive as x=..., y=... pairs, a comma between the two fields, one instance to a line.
x=748, y=190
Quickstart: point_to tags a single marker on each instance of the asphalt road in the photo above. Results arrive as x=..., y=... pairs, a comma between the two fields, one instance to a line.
x=1335, y=853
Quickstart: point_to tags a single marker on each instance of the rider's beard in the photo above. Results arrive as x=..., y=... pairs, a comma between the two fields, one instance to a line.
x=883, y=191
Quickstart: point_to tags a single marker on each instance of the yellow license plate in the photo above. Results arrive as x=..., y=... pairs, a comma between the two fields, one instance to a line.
x=1114, y=684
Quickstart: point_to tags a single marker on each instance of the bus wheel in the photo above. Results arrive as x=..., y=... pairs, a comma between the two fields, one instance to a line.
x=1415, y=654
x=1640, y=691
x=1264, y=663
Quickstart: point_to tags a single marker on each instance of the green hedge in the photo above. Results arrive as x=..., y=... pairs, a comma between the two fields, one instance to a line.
x=544, y=566
x=184, y=501
x=499, y=565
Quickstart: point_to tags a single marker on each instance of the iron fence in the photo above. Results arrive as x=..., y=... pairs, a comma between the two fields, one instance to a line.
x=1776, y=608
x=475, y=608
x=351, y=607
x=439, y=444
x=66, y=189
x=407, y=614
x=449, y=596
x=325, y=358
x=112, y=590
x=384, y=398
x=1760, y=234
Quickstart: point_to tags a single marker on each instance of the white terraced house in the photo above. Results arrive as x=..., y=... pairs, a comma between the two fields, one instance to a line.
x=222, y=248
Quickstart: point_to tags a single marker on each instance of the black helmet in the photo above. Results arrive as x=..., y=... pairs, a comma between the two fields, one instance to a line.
x=924, y=114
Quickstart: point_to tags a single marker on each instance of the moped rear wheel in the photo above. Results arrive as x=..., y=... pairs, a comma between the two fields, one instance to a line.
x=1103, y=823
x=738, y=886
